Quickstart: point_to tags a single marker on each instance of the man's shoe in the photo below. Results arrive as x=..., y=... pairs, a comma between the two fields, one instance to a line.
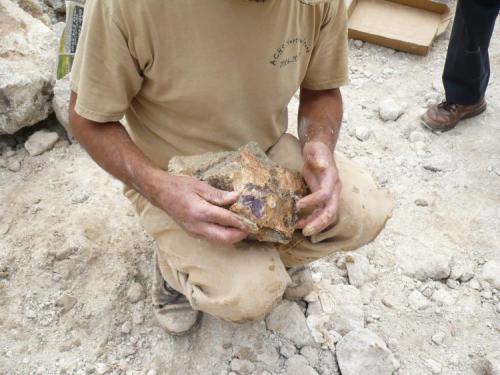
x=445, y=116
x=301, y=285
x=175, y=314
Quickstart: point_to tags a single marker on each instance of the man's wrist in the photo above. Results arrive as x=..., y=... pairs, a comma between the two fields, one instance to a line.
x=146, y=180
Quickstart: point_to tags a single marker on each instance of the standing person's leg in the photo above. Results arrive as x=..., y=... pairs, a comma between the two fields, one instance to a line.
x=467, y=68
x=363, y=211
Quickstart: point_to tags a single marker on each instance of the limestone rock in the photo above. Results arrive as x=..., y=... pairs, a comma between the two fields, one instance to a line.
x=362, y=133
x=358, y=269
x=28, y=54
x=493, y=364
x=491, y=273
x=348, y=309
x=442, y=297
x=389, y=110
x=288, y=321
x=427, y=265
x=297, y=365
x=268, y=192
x=363, y=352
x=60, y=102
x=40, y=142
x=418, y=301
x=301, y=284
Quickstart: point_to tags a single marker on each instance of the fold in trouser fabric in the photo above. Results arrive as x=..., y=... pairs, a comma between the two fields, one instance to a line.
x=467, y=67
x=243, y=282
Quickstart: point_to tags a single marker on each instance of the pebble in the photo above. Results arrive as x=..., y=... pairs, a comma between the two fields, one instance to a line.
x=461, y=269
x=80, y=198
x=491, y=273
x=126, y=327
x=13, y=165
x=389, y=110
x=421, y=202
x=358, y=44
x=151, y=372
x=474, y=284
x=434, y=366
x=316, y=324
x=288, y=321
x=443, y=297
x=493, y=363
x=242, y=366
x=297, y=365
x=438, y=338
x=363, y=352
x=135, y=292
x=417, y=300
x=362, y=133
x=452, y=284
x=424, y=265
x=358, y=269
x=40, y=142
x=66, y=301
x=287, y=350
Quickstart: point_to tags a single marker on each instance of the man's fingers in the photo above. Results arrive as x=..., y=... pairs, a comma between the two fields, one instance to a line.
x=220, y=235
x=327, y=217
x=306, y=220
x=318, y=198
x=216, y=196
x=310, y=178
x=221, y=216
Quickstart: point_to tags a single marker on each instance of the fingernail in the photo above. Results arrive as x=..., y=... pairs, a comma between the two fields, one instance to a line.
x=307, y=231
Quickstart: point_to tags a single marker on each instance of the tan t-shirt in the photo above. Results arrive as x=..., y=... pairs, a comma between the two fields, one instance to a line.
x=193, y=76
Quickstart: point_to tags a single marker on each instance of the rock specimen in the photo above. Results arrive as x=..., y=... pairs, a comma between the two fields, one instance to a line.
x=60, y=101
x=268, y=192
x=28, y=54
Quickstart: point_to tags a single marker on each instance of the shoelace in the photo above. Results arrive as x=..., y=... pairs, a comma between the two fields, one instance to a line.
x=448, y=107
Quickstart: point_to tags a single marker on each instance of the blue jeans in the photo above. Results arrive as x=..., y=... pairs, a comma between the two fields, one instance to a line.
x=467, y=68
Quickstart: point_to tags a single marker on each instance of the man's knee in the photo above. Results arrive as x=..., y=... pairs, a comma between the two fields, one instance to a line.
x=255, y=293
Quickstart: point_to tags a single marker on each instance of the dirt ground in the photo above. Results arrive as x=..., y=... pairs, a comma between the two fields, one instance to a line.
x=66, y=229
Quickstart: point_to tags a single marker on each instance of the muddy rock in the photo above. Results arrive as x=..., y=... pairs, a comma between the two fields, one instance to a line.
x=363, y=352
x=28, y=53
x=268, y=192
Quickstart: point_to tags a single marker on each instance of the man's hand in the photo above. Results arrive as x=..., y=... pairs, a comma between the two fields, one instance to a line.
x=195, y=206
x=321, y=175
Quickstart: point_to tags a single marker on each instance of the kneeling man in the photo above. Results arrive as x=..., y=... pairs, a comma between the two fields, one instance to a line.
x=195, y=76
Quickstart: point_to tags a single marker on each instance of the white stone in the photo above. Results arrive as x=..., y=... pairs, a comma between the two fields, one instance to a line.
x=287, y=350
x=362, y=133
x=461, y=269
x=28, y=55
x=348, y=311
x=363, y=352
x=311, y=354
x=242, y=366
x=434, y=366
x=358, y=43
x=438, y=337
x=452, y=284
x=424, y=265
x=493, y=363
x=389, y=110
x=317, y=326
x=417, y=300
x=297, y=365
x=60, y=101
x=474, y=284
x=40, y=142
x=288, y=321
x=102, y=368
x=358, y=269
x=442, y=297
x=135, y=292
x=491, y=273
x=66, y=301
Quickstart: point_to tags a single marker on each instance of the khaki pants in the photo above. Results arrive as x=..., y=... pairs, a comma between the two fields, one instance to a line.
x=243, y=282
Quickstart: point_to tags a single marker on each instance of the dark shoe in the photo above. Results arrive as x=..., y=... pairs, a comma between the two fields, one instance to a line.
x=301, y=285
x=445, y=116
x=175, y=315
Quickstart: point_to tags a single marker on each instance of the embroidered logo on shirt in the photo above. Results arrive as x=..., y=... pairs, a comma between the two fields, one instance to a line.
x=290, y=51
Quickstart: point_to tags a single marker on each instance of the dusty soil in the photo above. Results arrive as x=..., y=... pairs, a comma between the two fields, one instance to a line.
x=66, y=229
